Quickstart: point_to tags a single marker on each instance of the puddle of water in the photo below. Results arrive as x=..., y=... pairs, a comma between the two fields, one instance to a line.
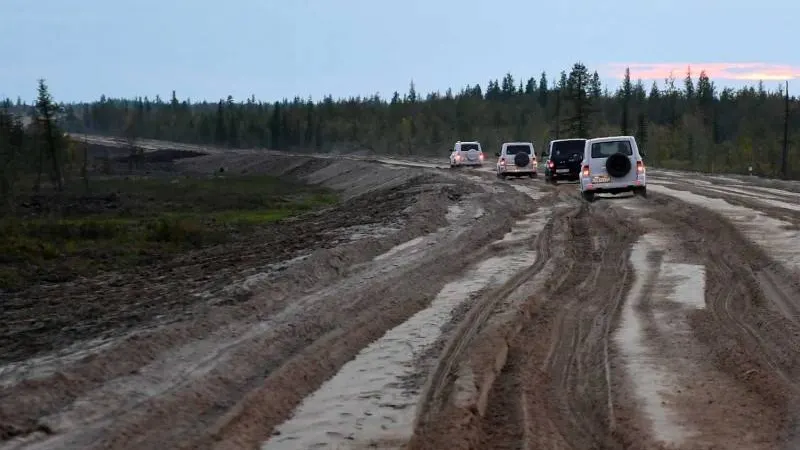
x=457, y=212
x=529, y=191
x=642, y=363
x=768, y=199
x=773, y=191
x=358, y=232
x=680, y=392
x=454, y=212
x=774, y=235
x=688, y=281
x=728, y=179
x=366, y=401
x=253, y=282
x=399, y=248
x=399, y=162
x=49, y=364
x=527, y=228
x=747, y=192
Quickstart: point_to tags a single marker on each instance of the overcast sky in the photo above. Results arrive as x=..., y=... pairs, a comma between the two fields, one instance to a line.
x=282, y=48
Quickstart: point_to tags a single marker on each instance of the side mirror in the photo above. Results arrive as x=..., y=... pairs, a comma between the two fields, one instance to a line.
x=497, y=154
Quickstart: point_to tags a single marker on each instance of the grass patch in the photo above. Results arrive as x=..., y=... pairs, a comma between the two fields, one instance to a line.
x=127, y=222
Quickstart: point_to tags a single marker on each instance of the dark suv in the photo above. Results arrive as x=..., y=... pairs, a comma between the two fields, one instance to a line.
x=564, y=160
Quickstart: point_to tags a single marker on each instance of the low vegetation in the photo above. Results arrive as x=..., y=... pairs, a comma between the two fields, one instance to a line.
x=66, y=214
x=128, y=222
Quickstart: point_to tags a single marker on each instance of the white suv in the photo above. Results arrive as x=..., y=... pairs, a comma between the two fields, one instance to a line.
x=516, y=159
x=466, y=154
x=612, y=165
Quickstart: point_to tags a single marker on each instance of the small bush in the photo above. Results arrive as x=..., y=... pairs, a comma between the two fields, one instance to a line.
x=181, y=231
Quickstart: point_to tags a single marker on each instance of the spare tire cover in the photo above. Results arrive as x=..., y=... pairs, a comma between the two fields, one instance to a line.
x=522, y=159
x=618, y=165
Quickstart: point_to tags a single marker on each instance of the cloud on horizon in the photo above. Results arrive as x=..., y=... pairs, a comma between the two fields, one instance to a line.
x=746, y=71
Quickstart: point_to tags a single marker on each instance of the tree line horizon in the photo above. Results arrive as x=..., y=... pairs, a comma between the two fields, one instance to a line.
x=687, y=124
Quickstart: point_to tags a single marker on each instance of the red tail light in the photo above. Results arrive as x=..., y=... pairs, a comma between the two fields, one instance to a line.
x=550, y=164
x=639, y=167
x=481, y=156
x=502, y=161
x=585, y=171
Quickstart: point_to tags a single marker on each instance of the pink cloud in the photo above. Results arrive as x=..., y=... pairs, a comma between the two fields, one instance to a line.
x=752, y=71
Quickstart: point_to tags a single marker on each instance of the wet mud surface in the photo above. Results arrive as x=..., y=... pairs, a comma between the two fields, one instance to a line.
x=432, y=309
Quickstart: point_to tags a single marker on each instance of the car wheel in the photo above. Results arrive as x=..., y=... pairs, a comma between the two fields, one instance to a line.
x=533, y=175
x=588, y=196
x=642, y=191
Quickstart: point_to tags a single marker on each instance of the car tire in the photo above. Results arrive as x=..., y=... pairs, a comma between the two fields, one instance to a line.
x=533, y=175
x=588, y=196
x=640, y=191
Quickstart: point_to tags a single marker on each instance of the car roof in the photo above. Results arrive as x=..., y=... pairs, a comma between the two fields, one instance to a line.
x=570, y=139
x=518, y=143
x=468, y=142
x=612, y=139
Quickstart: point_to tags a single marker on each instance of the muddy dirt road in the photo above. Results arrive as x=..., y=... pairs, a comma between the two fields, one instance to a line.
x=438, y=309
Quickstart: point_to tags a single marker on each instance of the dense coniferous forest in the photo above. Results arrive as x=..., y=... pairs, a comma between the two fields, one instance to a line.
x=682, y=122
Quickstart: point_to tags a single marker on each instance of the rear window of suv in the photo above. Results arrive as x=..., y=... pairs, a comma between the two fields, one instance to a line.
x=565, y=149
x=468, y=147
x=514, y=149
x=606, y=149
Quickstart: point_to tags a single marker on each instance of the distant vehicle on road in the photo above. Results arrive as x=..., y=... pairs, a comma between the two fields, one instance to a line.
x=563, y=160
x=466, y=154
x=612, y=165
x=517, y=159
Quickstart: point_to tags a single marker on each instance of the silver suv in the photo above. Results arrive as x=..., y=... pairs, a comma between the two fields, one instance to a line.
x=517, y=159
x=612, y=165
x=466, y=154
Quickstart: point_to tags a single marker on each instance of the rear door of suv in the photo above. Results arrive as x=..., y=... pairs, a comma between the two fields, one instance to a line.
x=471, y=153
x=566, y=156
x=598, y=162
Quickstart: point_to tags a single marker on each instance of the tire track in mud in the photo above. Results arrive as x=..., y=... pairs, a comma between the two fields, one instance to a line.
x=781, y=209
x=555, y=385
x=435, y=392
x=748, y=339
x=551, y=391
x=572, y=380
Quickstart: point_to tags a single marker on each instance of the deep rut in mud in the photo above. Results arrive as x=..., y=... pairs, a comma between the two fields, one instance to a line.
x=562, y=385
x=565, y=393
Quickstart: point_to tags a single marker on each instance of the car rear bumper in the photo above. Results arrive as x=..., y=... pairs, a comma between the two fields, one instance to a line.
x=613, y=187
x=467, y=163
x=516, y=169
x=572, y=174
